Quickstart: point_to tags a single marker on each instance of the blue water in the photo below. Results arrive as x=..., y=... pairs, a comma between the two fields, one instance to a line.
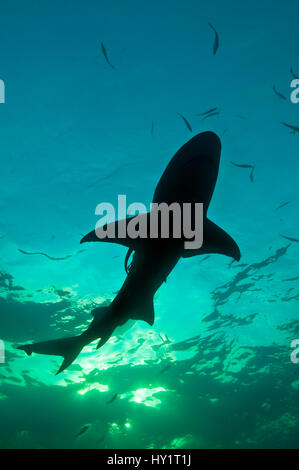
x=74, y=132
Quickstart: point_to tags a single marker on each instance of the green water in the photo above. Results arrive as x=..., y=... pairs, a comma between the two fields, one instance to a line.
x=214, y=371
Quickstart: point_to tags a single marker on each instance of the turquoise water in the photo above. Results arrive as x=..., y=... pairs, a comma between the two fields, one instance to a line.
x=214, y=371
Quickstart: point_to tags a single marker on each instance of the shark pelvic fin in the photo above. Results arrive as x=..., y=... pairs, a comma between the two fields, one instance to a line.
x=68, y=348
x=215, y=240
x=127, y=267
x=145, y=311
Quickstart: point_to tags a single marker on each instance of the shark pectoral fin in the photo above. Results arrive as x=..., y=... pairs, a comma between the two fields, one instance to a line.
x=118, y=232
x=215, y=240
x=93, y=237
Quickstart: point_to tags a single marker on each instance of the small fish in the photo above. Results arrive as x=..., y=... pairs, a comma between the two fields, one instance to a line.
x=112, y=399
x=108, y=176
x=106, y=55
x=291, y=239
x=210, y=115
x=83, y=430
x=207, y=112
x=291, y=279
x=216, y=40
x=281, y=96
x=240, y=165
x=294, y=129
x=205, y=258
x=293, y=74
x=282, y=205
x=224, y=132
x=186, y=122
x=43, y=254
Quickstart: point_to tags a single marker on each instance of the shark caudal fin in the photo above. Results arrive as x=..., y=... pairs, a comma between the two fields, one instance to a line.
x=68, y=348
x=215, y=240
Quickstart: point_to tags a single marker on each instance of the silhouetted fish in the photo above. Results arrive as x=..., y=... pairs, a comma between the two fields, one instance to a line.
x=110, y=175
x=190, y=177
x=186, y=122
x=281, y=96
x=207, y=112
x=240, y=165
x=83, y=430
x=294, y=129
x=112, y=399
x=211, y=115
x=205, y=258
x=216, y=40
x=291, y=279
x=291, y=239
x=224, y=132
x=282, y=205
x=293, y=74
x=106, y=55
x=43, y=254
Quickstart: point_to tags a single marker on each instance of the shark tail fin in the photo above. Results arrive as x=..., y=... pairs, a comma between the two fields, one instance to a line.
x=68, y=348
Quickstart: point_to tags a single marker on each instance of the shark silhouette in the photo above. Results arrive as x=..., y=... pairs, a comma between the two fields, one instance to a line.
x=190, y=177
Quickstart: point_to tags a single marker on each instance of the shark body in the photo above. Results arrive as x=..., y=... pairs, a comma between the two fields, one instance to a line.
x=190, y=177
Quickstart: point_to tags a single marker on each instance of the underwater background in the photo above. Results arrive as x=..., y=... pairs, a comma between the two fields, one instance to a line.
x=214, y=371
